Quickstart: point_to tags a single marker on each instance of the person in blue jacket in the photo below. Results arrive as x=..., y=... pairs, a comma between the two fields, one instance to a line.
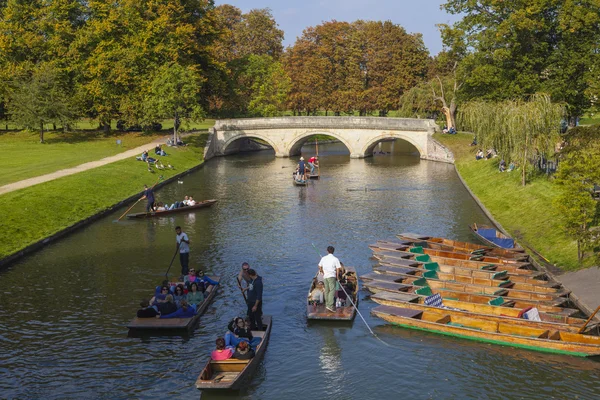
x=185, y=311
x=204, y=280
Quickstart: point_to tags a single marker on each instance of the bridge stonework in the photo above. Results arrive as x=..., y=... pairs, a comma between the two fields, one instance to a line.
x=359, y=134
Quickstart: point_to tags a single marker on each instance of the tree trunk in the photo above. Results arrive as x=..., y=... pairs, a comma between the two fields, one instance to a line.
x=53, y=126
x=175, y=129
x=524, y=165
x=41, y=132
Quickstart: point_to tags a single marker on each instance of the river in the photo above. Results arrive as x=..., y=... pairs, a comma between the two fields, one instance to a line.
x=63, y=310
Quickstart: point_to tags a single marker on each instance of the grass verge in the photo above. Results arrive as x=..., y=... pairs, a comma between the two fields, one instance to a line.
x=527, y=213
x=42, y=210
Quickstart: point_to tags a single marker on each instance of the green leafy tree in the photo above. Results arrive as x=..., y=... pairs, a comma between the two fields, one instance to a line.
x=174, y=93
x=579, y=170
x=268, y=86
x=516, y=129
x=40, y=100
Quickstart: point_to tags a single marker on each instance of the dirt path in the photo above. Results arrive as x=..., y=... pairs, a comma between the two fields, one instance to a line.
x=79, y=168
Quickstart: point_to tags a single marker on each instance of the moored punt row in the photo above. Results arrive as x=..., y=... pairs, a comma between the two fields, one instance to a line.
x=499, y=297
x=418, y=268
x=391, y=255
x=449, y=244
x=446, y=253
x=232, y=373
x=485, y=311
x=498, y=279
x=464, y=287
x=497, y=332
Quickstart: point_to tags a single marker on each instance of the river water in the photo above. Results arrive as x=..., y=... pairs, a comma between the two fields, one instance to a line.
x=63, y=310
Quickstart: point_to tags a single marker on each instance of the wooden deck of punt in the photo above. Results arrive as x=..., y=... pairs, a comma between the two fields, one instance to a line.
x=484, y=311
x=475, y=229
x=463, y=287
x=446, y=253
x=347, y=313
x=419, y=268
x=202, y=204
x=300, y=183
x=176, y=323
x=503, y=333
x=502, y=280
x=388, y=255
x=465, y=246
x=309, y=176
x=231, y=374
x=552, y=306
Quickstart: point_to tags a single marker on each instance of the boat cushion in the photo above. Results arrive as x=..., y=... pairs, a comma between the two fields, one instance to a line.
x=417, y=249
x=500, y=275
x=430, y=274
x=498, y=301
x=432, y=266
x=421, y=282
x=435, y=300
x=505, y=284
x=489, y=267
x=424, y=291
x=424, y=258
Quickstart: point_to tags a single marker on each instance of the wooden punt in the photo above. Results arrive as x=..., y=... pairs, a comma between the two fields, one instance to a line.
x=485, y=288
x=522, y=268
x=477, y=277
x=346, y=313
x=494, y=237
x=233, y=374
x=300, y=182
x=176, y=323
x=485, y=311
x=449, y=244
x=503, y=333
x=449, y=254
x=554, y=306
x=309, y=175
x=495, y=273
x=202, y=204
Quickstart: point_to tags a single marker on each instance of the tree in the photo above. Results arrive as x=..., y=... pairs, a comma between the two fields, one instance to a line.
x=174, y=93
x=40, y=100
x=268, y=86
x=515, y=128
x=513, y=49
x=578, y=171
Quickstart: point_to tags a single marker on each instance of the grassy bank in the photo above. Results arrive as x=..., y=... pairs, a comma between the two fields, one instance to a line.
x=39, y=211
x=527, y=213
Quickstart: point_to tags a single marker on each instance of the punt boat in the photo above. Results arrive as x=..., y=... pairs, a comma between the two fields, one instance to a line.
x=346, y=313
x=494, y=237
x=202, y=204
x=449, y=244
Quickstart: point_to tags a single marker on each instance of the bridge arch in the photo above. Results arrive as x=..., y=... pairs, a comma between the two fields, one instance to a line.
x=367, y=149
x=297, y=142
x=240, y=136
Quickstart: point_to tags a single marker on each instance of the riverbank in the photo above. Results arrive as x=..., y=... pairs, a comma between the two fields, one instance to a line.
x=45, y=210
x=527, y=213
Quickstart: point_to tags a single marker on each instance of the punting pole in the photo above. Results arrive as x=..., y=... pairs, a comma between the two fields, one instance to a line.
x=172, y=259
x=241, y=289
x=588, y=320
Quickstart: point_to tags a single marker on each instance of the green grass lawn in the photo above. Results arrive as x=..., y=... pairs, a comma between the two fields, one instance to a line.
x=25, y=157
x=527, y=213
x=590, y=119
x=39, y=211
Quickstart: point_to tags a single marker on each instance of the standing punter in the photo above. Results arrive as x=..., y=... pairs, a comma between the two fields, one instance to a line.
x=183, y=243
x=254, y=299
x=329, y=265
x=148, y=194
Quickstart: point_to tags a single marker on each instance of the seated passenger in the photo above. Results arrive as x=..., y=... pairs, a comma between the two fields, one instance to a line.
x=160, y=207
x=191, y=201
x=157, y=290
x=179, y=295
x=168, y=306
x=185, y=201
x=243, y=351
x=146, y=311
x=161, y=297
x=204, y=281
x=194, y=296
x=239, y=333
x=185, y=311
x=221, y=352
x=190, y=277
x=317, y=296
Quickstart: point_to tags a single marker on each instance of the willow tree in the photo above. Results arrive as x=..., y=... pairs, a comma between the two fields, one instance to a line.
x=515, y=128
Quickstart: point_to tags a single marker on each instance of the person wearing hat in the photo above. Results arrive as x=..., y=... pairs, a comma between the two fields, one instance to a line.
x=301, y=170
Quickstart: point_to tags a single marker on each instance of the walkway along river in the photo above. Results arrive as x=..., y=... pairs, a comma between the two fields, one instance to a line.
x=63, y=309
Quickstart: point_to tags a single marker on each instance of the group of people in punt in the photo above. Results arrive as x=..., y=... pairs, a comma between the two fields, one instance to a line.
x=177, y=299
x=152, y=206
x=304, y=167
x=238, y=342
x=331, y=285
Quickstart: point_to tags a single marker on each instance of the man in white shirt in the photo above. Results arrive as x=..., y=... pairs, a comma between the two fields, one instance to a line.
x=183, y=243
x=329, y=266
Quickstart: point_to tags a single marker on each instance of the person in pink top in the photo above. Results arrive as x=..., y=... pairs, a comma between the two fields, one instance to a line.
x=221, y=353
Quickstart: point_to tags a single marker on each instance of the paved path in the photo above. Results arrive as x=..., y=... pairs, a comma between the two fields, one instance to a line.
x=585, y=284
x=79, y=168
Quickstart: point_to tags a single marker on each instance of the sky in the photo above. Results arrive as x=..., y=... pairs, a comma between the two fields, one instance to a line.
x=416, y=16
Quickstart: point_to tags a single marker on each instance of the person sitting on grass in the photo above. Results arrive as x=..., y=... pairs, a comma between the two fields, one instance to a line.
x=243, y=351
x=479, y=155
x=511, y=167
x=146, y=311
x=221, y=352
x=502, y=166
x=185, y=311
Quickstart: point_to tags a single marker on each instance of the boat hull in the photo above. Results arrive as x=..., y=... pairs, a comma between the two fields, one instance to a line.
x=203, y=204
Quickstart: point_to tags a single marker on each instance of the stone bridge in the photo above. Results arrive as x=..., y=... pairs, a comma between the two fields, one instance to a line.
x=360, y=135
